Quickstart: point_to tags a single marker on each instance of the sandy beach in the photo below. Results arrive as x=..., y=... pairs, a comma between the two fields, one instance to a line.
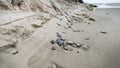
x=32, y=35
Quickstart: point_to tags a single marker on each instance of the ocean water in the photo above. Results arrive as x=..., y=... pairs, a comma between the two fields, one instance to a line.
x=103, y=3
x=106, y=6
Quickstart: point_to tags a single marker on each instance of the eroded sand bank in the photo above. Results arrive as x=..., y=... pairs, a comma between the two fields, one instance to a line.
x=33, y=33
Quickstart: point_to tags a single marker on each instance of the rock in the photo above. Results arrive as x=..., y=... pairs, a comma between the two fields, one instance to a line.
x=103, y=32
x=90, y=8
x=76, y=30
x=69, y=27
x=60, y=42
x=53, y=41
x=74, y=46
x=78, y=52
x=53, y=65
x=59, y=36
x=87, y=39
x=36, y=25
x=91, y=19
x=53, y=48
x=85, y=47
x=78, y=44
x=93, y=5
x=71, y=49
x=69, y=43
x=12, y=51
x=66, y=48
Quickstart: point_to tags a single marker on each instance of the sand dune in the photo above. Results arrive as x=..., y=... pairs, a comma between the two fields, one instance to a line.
x=30, y=34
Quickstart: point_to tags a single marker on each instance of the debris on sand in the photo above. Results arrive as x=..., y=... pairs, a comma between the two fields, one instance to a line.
x=53, y=48
x=103, y=32
x=36, y=26
x=87, y=38
x=9, y=48
x=59, y=36
x=63, y=43
x=53, y=41
x=55, y=65
x=69, y=42
x=59, y=24
x=78, y=44
x=90, y=7
x=12, y=51
x=60, y=42
x=91, y=19
x=76, y=30
x=85, y=47
x=93, y=5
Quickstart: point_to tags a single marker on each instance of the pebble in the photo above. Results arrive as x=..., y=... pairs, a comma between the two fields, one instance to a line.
x=53, y=41
x=53, y=48
x=69, y=42
x=85, y=47
x=78, y=44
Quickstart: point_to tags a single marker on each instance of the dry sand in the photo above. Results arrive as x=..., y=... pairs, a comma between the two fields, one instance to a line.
x=34, y=47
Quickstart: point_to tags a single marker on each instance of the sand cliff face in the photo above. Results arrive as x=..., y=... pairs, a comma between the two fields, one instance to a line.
x=20, y=20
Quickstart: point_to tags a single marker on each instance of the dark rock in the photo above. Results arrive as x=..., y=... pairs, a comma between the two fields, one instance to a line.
x=103, y=32
x=69, y=43
x=59, y=24
x=60, y=42
x=69, y=27
x=91, y=19
x=77, y=44
x=87, y=39
x=53, y=41
x=93, y=5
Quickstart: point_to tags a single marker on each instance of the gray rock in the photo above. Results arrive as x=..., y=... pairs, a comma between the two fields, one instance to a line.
x=85, y=47
x=53, y=41
x=78, y=44
x=53, y=65
x=59, y=36
x=69, y=42
x=60, y=42
x=74, y=46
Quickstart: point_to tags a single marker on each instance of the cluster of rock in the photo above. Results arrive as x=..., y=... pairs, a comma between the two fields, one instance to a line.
x=64, y=43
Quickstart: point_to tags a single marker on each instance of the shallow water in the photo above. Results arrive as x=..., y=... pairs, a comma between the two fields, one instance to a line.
x=107, y=6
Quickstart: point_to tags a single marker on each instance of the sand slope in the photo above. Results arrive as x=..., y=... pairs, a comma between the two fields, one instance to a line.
x=34, y=42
